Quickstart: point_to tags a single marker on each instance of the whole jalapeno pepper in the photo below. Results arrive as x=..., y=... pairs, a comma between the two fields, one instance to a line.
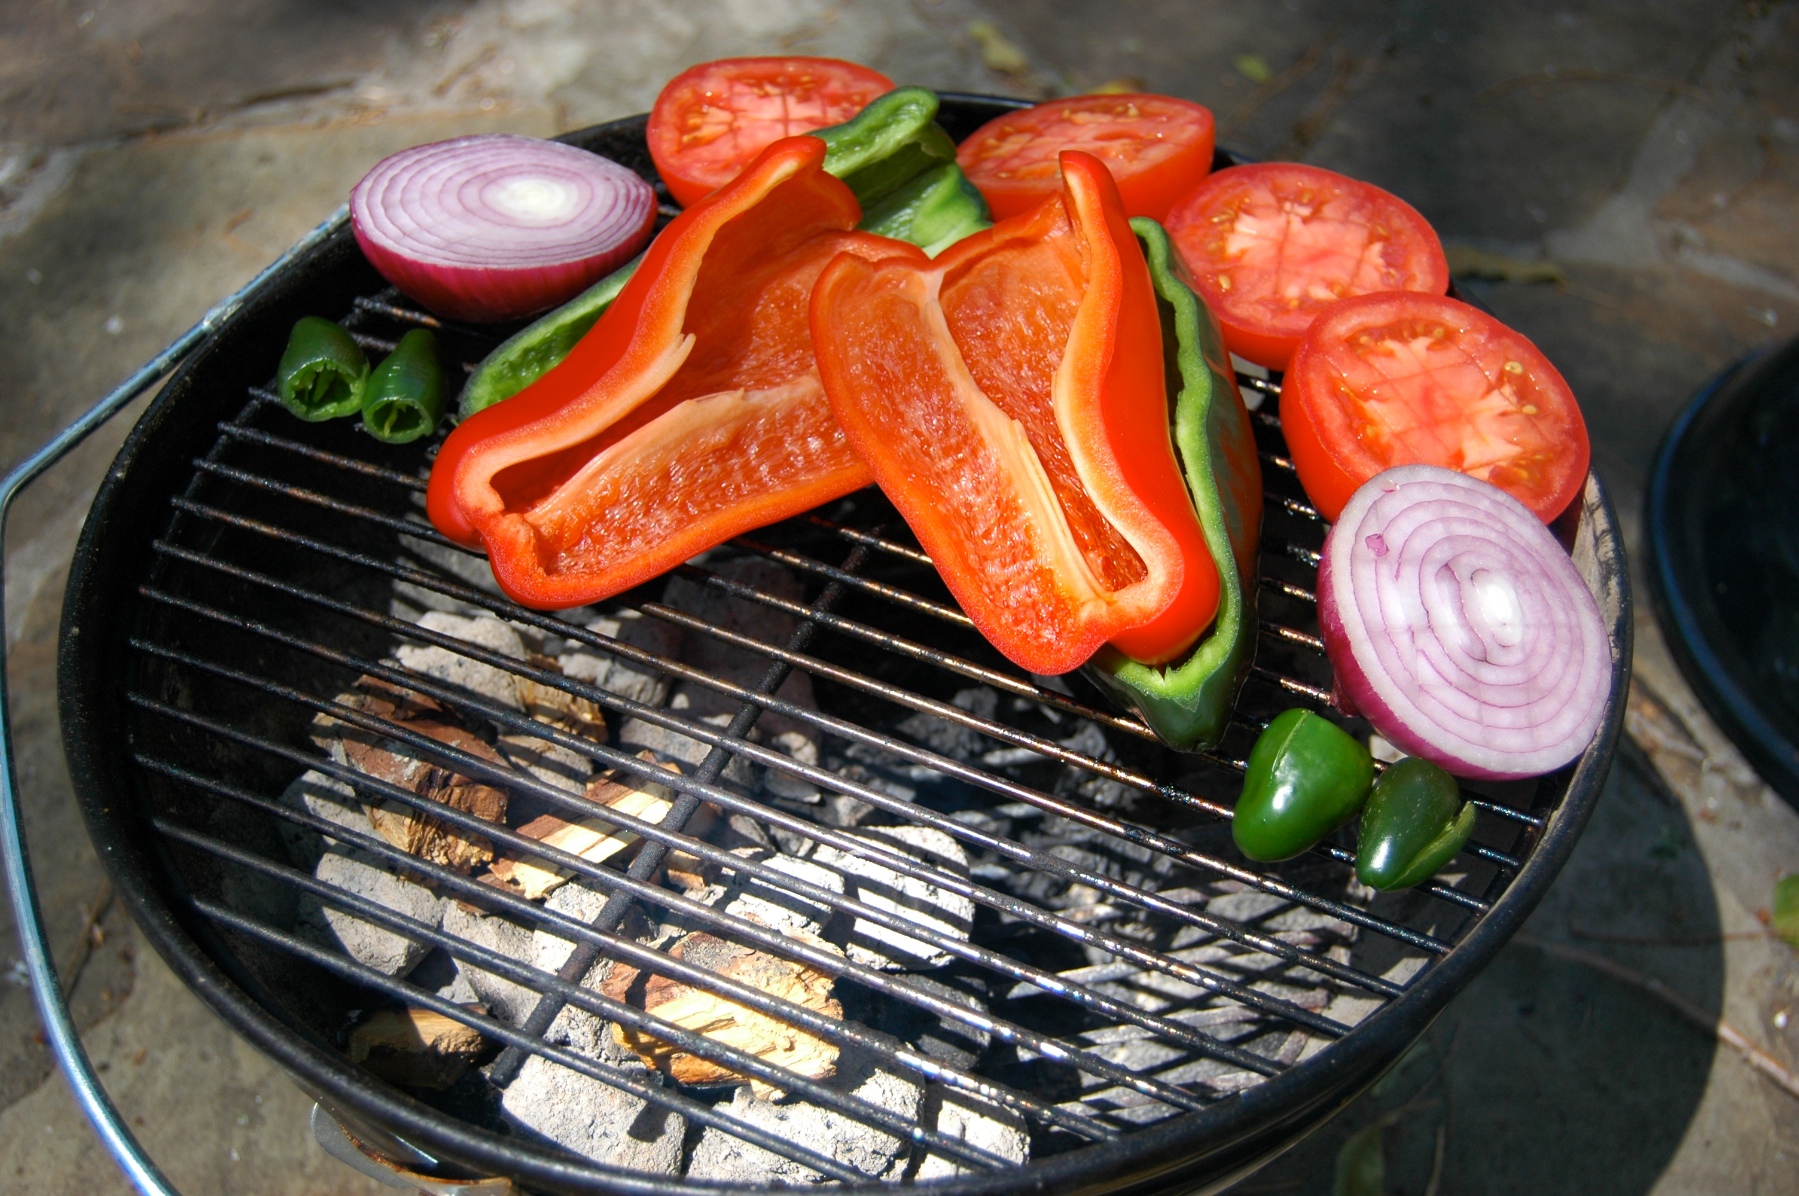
x=405, y=396
x=1306, y=777
x=322, y=372
x=1414, y=822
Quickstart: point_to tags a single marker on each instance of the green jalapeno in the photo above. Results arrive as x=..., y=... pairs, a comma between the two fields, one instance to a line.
x=890, y=142
x=405, y=395
x=322, y=372
x=1414, y=822
x=528, y=354
x=1306, y=777
x=1188, y=701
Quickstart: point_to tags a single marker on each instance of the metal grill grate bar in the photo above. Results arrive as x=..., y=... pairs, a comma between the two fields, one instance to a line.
x=1042, y=861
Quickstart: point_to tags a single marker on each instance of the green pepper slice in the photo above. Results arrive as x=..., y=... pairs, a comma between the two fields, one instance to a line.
x=528, y=354
x=405, y=396
x=890, y=142
x=933, y=211
x=322, y=372
x=1415, y=821
x=1306, y=777
x=1188, y=702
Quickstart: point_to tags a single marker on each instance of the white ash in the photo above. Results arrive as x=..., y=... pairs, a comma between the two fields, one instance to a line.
x=478, y=677
x=638, y=735
x=909, y=897
x=772, y=906
x=508, y=1000
x=980, y=1123
x=368, y=877
x=593, y=1119
x=720, y=1156
x=803, y=749
x=550, y=763
x=617, y=675
x=323, y=797
x=952, y=739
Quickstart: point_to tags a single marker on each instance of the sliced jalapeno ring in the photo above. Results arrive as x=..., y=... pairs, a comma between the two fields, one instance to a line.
x=405, y=396
x=323, y=372
x=1415, y=821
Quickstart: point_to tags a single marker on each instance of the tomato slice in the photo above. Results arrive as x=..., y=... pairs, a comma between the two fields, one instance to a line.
x=1271, y=244
x=711, y=120
x=1402, y=378
x=1157, y=148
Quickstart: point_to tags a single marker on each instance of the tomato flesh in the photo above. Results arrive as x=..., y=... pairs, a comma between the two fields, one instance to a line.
x=1157, y=148
x=711, y=120
x=1271, y=245
x=1407, y=379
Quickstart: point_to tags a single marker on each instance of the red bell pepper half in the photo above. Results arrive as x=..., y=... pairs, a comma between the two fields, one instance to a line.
x=1010, y=398
x=691, y=412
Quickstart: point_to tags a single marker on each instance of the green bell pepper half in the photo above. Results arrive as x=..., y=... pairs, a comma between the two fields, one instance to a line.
x=892, y=154
x=1306, y=777
x=405, y=395
x=1415, y=821
x=322, y=372
x=1188, y=702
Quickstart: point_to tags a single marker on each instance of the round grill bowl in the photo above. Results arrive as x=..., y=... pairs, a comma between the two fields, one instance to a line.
x=200, y=513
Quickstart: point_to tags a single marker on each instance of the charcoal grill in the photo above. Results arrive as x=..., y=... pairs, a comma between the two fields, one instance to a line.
x=1158, y=1013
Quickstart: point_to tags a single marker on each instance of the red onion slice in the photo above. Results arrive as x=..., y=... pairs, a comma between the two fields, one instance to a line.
x=1459, y=628
x=499, y=226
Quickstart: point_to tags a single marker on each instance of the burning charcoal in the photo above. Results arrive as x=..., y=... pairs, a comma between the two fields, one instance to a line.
x=982, y=1124
x=495, y=684
x=592, y=839
x=641, y=735
x=724, y=1020
x=367, y=877
x=768, y=904
x=952, y=739
x=720, y=1156
x=803, y=748
x=593, y=1119
x=323, y=797
x=918, y=900
x=415, y=1048
x=617, y=675
x=509, y=1001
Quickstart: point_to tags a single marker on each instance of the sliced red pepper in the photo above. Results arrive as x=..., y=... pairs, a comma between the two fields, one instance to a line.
x=691, y=412
x=1010, y=398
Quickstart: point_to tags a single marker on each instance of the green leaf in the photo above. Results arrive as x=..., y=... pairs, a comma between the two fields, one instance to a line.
x=1786, y=910
x=1254, y=67
x=1362, y=1165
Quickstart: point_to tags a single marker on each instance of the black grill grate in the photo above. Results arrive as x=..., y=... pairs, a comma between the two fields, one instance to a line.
x=275, y=586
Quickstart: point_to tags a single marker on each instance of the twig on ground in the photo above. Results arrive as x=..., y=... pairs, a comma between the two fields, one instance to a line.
x=84, y=948
x=1726, y=1033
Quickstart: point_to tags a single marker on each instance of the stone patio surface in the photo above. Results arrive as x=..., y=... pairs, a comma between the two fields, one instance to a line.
x=1618, y=179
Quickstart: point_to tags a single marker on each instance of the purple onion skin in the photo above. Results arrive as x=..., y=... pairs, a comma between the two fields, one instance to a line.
x=1362, y=696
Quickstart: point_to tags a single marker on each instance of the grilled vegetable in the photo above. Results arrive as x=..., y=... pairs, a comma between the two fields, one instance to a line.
x=1414, y=822
x=711, y=120
x=691, y=412
x=498, y=226
x=534, y=350
x=1273, y=243
x=322, y=371
x=890, y=142
x=1188, y=701
x=1409, y=379
x=1306, y=777
x=405, y=395
x=1459, y=628
x=1009, y=398
x=1158, y=148
x=933, y=211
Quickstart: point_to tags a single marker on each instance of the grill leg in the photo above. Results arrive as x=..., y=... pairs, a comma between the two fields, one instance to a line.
x=506, y=1068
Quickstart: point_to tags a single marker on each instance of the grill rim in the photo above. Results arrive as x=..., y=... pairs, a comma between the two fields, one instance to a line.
x=114, y=552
